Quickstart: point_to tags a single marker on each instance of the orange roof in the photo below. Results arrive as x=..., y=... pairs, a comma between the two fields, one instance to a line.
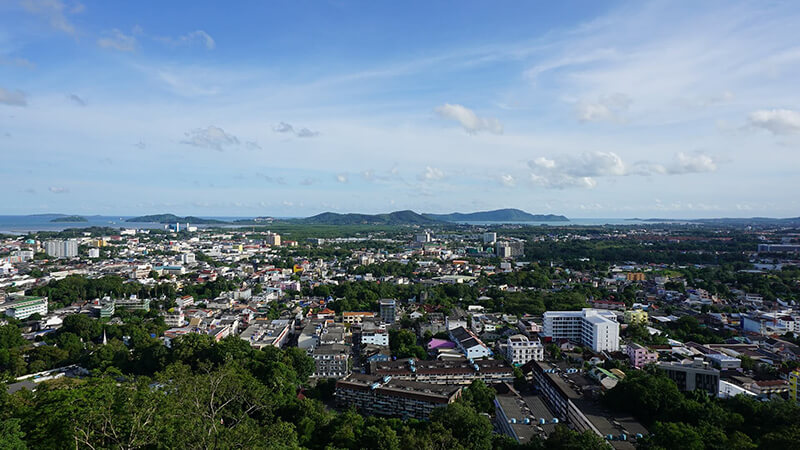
x=327, y=311
x=358, y=313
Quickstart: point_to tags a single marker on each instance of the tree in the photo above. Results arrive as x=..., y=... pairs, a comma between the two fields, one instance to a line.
x=479, y=396
x=470, y=428
x=11, y=436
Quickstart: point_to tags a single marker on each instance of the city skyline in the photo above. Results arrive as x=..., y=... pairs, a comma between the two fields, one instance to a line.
x=620, y=109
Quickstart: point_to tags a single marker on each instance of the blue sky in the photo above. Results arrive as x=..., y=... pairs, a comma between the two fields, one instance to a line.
x=588, y=109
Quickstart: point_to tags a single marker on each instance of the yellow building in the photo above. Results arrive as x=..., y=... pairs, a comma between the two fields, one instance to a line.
x=634, y=276
x=794, y=379
x=636, y=316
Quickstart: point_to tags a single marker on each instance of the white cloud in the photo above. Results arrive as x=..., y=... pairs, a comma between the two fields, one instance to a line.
x=606, y=108
x=777, y=121
x=341, y=178
x=284, y=127
x=54, y=12
x=508, y=180
x=583, y=170
x=210, y=137
x=431, y=174
x=58, y=190
x=195, y=36
x=13, y=98
x=117, y=40
x=468, y=119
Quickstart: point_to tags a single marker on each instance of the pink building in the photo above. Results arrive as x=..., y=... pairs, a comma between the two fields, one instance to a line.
x=640, y=356
x=436, y=344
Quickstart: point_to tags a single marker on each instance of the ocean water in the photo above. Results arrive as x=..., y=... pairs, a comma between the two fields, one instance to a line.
x=42, y=222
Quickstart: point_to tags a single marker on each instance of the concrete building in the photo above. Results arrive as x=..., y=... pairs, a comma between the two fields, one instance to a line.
x=174, y=318
x=452, y=371
x=133, y=304
x=636, y=316
x=24, y=306
x=331, y=361
x=520, y=349
x=489, y=237
x=388, y=310
x=268, y=333
x=640, y=355
x=353, y=317
x=593, y=328
x=469, y=343
x=510, y=249
x=386, y=396
x=61, y=248
x=523, y=418
x=690, y=375
x=273, y=239
x=794, y=381
x=377, y=337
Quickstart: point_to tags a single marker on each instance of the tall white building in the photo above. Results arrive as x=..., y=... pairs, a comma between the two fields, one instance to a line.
x=594, y=328
x=61, y=249
x=273, y=239
x=489, y=237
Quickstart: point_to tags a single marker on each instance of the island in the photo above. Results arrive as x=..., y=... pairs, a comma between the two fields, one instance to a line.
x=172, y=218
x=69, y=219
x=498, y=215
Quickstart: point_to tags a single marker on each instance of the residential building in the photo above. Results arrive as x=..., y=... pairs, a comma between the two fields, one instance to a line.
x=593, y=328
x=636, y=317
x=61, y=248
x=22, y=307
x=522, y=418
x=388, y=310
x=173, y=318
x=352, y=317
x=510, y=249
x=520, y=349
x=133, y=303
x=386, y=396
x=273, y=239
x=469, y=343
x=640, y=355
x=450, y=371
x=794, y=381
x=331, y=361
x=690, y=375
x=268, y=333
x=489, y=237
x=377, y=337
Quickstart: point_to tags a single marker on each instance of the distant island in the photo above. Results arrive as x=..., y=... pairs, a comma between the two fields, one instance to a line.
x=69, y=219
x=394, y=218
x=730, y=221
x=498, y=215
x=172, y=218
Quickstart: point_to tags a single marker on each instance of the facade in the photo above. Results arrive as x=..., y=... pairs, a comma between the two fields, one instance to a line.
x=640, y=355
x=331, y=361
x=593, y=328
x=61, y=248
x=456, y=371
x=520, y=349
x=388, y=309
x=510, y=249
x=375, y=337
x=469, y=343
x=173, y=319
x=794, y=380
x=273, y=333
x=24, y=307
x=385, y=396
x=133, y=304
x=273, y=239
x=636, y=316
x=692, y=375
x=489, y=237
x=352, y=317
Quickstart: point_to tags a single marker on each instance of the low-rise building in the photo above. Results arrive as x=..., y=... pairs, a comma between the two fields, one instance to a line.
x=268, y=333
x=331, y=361
x=469, y=343
x=386, y=396
x=520, y=349
x=636, y=317
x=640, y=355
x=22, y=307
x=690, y=375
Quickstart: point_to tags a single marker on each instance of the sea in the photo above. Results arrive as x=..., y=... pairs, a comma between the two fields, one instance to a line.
x=43, y=222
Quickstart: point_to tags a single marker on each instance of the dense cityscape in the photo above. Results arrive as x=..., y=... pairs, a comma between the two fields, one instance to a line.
x=399, y=225
x=404, y=336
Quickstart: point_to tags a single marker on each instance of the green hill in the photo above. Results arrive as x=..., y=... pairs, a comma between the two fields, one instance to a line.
x=498, y=215
x=393, y=218
x=172, y=218
x=69, y=219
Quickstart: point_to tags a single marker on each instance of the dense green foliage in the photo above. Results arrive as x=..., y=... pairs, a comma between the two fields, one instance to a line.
x=697, y=420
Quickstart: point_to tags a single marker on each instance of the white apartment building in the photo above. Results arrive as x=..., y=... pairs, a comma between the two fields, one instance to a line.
x=61, y=249
x=594, y=328
x=375, y=337
x=520, y=349
x=23, y=307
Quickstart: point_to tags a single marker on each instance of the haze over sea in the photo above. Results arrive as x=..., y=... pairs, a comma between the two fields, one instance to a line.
x=42, y=222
